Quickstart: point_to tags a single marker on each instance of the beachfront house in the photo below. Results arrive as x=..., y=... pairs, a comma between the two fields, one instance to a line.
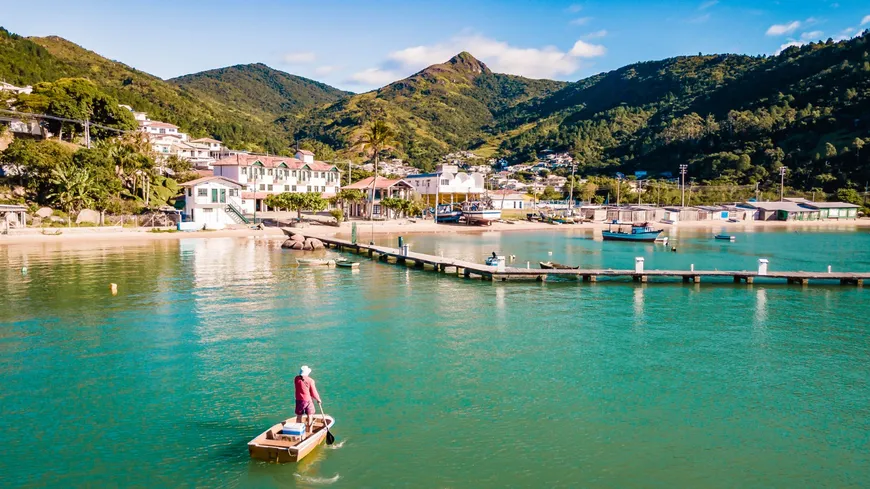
x=596, y=213
x=781, y=211
x=833, y=210
x=638, y=213
x=262, y=176
x=213, y=202
x=509, y=199
x=449, y=184
x=383, y=188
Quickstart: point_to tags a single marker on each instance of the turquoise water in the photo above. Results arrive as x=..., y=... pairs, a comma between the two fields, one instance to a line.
x=435, y=381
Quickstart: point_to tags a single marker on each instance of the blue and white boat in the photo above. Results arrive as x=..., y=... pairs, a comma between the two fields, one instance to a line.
x=480, y=213
x=630, y=232
x=447, y=213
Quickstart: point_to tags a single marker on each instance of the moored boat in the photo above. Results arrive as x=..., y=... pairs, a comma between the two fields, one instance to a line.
x=631, y=232
x=447, y=213
x=347, y=264
x=725, y=237
x=281, y=443
x=314, y=262
x=480, y=213
x=549, y=265
x=495, y=261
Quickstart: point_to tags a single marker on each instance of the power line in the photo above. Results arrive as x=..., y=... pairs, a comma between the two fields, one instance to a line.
x=64, y=119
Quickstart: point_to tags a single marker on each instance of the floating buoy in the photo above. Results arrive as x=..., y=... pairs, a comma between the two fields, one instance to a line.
x=114, y=288
x=24, y=270
x=674, y=249
x=550, y=253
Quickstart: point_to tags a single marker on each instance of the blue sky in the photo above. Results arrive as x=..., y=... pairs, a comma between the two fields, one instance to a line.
x=358, y=45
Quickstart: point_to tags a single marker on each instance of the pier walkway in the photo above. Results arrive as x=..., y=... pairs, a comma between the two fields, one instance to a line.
x=478, y=270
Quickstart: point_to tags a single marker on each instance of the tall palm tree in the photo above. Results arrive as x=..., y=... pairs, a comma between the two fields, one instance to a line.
x=377, y=137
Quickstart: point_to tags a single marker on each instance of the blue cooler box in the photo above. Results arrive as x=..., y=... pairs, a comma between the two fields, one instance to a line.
x=293, y=429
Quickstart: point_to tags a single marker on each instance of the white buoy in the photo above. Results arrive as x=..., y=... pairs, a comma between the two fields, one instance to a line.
x=550, y=253
x=829, y=269
x=762, y=266
x=692, y=267
x=114, y=288
x=24, y=270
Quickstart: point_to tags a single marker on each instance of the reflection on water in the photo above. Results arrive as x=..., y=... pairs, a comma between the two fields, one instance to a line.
x=432, y=376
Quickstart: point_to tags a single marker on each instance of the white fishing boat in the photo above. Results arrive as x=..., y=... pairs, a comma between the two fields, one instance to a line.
x=479, y=213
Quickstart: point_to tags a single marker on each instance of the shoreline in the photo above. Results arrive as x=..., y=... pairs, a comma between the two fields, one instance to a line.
x=126, y=235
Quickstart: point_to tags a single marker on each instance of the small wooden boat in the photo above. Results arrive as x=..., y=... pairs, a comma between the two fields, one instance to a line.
x=347, y=264
x=273, y=446
x=315, y=262
x=637, y=232
x=725, y=237
x=549, y=265
x=733, y=220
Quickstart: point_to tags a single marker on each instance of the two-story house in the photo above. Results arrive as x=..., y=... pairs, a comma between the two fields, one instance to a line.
x=448, y=183
x=213, y=202
x=261, y=176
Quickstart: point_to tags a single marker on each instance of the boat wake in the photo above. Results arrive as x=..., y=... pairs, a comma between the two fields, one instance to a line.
x=338, y=445
x=320, y=481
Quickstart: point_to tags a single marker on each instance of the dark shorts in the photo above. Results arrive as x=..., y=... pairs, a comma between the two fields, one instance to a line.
x=304, y=407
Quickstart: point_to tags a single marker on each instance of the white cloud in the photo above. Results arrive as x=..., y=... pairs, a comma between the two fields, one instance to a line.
x=865, y=20
x=299, y=58
x=583, y=49
x=325, y=70
x=581, y=21
x=596, y=34
x=782, y=29
x=812, y=36
x=501, y=57
x=788, y=45
x=700, y=19
x=574, y=8
x=373, y=76
x=706, y=5
x=847, y=33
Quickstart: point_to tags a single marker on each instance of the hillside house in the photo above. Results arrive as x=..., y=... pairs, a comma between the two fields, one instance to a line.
x=213, y=202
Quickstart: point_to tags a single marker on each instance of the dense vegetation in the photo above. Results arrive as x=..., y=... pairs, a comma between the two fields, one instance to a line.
x=733, y=119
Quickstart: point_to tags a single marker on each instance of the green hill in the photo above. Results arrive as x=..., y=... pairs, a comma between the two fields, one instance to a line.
x=443, y=107
x=731, y=118
x=258, y=89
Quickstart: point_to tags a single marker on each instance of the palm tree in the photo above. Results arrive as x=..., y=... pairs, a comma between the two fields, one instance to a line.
x=73, y=189
x=377, y=137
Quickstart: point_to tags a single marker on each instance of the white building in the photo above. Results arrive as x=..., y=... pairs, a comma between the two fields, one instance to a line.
x=213, y=202
x=160, y=128
x=261, y=176
x=509, y=199
x=448, y=180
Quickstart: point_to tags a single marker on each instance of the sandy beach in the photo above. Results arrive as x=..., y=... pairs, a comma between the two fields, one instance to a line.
x=401, y=226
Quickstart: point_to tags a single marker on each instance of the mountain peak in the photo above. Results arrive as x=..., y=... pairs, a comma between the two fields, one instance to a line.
x=464, y=61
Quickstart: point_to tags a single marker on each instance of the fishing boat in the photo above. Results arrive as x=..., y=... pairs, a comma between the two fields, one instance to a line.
x=630, y=232
x=549, y=265
x=315, y=262
x=495, y=260
x=480, y=213
x=281, y=443
x=447, y=213
x=725, y=237
x=347, y=264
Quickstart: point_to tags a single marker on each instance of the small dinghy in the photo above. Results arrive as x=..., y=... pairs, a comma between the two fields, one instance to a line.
x=725, y=237
x=287, y=440
x=315, y=262
x=549, y=265
x=347, y=264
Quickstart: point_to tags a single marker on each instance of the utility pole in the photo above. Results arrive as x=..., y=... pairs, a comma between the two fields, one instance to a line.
x=88, y=133
x=782, y=171
x=571, y=194
x=618, y=185
x=639, y=187
x=683, y=169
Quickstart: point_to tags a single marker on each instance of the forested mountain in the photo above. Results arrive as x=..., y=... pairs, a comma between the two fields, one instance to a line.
x=443, y=107
x=259, y=89
x=733, y=119
x=33, y=60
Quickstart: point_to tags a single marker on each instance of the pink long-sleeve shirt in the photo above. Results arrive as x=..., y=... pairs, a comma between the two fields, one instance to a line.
x=305, y=389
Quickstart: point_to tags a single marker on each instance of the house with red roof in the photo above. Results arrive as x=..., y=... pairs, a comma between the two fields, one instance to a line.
x=382, y=188
x=212, y=202
x=261, y=176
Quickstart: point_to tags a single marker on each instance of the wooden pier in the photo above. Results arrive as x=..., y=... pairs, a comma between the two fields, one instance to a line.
x=485, y=272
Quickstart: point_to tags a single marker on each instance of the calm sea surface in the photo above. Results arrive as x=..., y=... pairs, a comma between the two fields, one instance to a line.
x=435, y=381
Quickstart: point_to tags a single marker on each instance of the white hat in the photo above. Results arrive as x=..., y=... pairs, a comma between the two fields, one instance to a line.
x=304, y=371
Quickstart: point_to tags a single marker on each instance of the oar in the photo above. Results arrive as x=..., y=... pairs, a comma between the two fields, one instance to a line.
x=329, y=438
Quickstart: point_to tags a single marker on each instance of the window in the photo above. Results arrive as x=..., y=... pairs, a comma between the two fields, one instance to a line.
x=208, y=209
x=214, y=196
x=262, y=186
x=294, y=173
x=234, y=192
x=286, y=188
x=190, y=192
x=270, y=187
x=445, y=181
x=223, y=196
x=202, y=192
x=309, y=188
x=323, y=189
x=294, y=188
x=244, y=170
x=377, y=209
x=162, y=131
x=270, y=172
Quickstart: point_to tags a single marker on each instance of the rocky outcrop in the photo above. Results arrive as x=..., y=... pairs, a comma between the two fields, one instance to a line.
x=88, y=216
x=44, y=212
x=298, y=242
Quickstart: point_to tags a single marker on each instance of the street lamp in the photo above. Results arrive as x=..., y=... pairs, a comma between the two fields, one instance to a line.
x=782, y=171
x=571, y=194
x=683, y=170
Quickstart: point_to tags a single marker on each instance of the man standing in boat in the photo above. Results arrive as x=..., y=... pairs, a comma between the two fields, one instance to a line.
x=306, y=394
